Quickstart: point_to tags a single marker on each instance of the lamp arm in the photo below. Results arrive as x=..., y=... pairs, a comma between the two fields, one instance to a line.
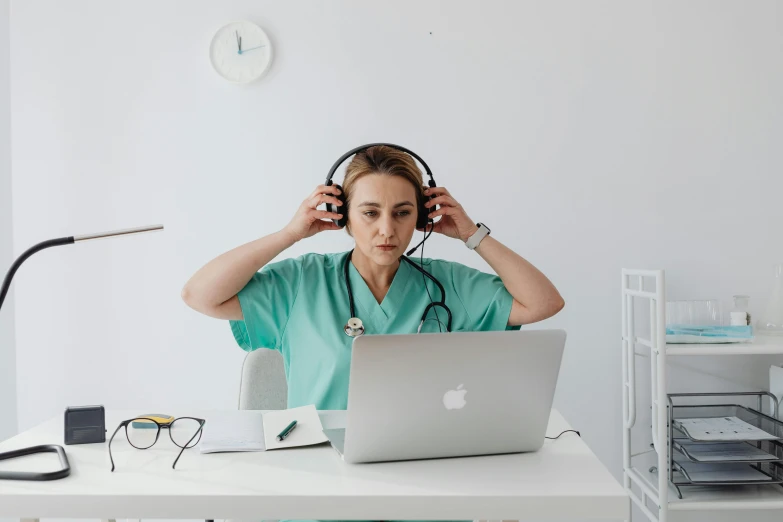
x=21, y=259
x=66, y=241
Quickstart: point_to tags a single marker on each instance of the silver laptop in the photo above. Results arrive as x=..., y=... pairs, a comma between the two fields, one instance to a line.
x=449, y=395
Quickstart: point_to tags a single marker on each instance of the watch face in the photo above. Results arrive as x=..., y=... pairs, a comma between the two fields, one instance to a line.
x=240, y=52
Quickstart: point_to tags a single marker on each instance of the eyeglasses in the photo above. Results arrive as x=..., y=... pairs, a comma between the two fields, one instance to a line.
x=143, y=432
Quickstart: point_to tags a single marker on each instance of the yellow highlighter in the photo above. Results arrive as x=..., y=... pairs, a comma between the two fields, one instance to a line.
x=141, y=421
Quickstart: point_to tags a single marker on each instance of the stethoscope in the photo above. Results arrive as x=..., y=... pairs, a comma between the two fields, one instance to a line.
x=355, y=327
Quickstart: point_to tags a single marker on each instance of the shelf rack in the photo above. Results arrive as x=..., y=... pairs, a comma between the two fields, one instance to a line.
x=654, y=487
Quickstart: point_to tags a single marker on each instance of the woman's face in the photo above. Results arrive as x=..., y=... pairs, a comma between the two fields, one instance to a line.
x=382, y=216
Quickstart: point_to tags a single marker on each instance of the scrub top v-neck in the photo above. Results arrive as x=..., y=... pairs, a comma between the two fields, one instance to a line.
x=300, y=306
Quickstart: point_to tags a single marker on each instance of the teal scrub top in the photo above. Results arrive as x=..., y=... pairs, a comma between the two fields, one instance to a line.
x=300, y=307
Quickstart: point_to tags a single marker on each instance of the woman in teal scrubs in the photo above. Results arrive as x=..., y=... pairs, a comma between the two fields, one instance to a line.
x=300, y=306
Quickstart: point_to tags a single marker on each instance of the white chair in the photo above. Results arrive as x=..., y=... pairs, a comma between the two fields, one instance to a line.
x=262, y=385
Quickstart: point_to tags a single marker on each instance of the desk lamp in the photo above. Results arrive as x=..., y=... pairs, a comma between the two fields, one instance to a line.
x=51, y=448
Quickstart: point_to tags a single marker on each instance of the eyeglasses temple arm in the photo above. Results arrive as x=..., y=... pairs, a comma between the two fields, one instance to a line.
x=111, y=439
x=201, y=427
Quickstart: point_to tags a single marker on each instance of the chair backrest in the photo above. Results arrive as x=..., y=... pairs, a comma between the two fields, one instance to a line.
x=263, y=385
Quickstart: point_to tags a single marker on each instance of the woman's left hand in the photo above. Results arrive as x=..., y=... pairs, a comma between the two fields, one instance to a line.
x=454, y=221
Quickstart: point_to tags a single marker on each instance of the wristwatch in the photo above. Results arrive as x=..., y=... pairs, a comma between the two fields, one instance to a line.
x=474, y=240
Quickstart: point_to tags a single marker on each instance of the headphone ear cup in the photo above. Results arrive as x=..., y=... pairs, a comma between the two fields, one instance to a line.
x=339, y=210
x=422, y=220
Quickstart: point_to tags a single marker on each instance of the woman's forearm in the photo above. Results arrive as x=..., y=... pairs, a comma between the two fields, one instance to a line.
x=212, y=289
x=538, y=297
x=223, y=277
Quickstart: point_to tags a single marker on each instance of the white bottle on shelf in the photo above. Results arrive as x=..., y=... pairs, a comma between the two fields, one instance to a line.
x=739, y=315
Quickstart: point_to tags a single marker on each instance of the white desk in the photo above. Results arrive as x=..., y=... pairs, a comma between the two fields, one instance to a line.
x=564, y=480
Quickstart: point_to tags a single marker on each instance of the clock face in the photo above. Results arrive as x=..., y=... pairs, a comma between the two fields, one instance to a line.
x=240, y=52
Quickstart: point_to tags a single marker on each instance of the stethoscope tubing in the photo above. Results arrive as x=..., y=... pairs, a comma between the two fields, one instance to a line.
x=355, y=327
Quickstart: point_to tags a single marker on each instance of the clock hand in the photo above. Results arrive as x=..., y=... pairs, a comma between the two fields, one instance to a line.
x=239, y=42
x=246, y=50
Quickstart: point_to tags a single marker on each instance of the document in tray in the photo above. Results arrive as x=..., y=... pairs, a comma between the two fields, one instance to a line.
x=248, y=430
x=727, y=451
x=698, y=472
x=721, y=428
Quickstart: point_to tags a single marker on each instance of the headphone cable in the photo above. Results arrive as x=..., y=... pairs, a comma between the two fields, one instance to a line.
x=423, y=277
x=412, y=250
x=421, y=243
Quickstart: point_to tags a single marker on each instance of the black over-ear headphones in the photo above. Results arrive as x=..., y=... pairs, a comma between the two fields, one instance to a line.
x=421, y=219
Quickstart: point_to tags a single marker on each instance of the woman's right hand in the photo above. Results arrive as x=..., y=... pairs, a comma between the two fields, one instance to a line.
x=308, y=220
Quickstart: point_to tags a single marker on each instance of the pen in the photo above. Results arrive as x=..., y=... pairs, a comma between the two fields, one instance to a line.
x=287, y=431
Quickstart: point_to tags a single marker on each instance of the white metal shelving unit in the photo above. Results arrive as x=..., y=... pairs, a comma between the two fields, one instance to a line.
x=654, y=487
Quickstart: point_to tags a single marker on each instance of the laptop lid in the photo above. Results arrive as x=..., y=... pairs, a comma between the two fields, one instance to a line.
x=452, y=394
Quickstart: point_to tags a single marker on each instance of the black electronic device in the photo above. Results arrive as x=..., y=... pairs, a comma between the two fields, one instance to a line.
x=85, y=425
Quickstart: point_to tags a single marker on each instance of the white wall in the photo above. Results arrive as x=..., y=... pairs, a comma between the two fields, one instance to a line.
x=7, y=351
x=589, y=136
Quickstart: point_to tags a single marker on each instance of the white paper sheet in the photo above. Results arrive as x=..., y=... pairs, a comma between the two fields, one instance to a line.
x=248, y=430
x=240, y=430
x=722, y=428
x=726, y=451
x=722, y=472
x=308, y=429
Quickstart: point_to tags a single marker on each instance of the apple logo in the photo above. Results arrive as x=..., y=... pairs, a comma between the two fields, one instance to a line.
x=455, y=399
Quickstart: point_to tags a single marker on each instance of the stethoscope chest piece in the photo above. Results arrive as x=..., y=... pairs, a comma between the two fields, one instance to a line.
x=354, y=328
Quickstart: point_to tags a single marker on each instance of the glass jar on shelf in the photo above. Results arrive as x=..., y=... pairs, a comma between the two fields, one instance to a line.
x=771, y=321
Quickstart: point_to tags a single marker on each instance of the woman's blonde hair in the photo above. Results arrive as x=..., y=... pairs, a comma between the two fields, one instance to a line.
x=387, y=161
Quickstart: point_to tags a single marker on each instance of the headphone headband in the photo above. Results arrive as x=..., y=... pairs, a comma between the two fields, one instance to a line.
x=365, y=147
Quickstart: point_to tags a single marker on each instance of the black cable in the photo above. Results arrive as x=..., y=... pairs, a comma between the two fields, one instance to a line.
x=566, y=431
x=412, y=250
x=442, y=302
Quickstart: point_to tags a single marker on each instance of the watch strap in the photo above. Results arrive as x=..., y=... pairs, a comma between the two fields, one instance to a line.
x=474, y=240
